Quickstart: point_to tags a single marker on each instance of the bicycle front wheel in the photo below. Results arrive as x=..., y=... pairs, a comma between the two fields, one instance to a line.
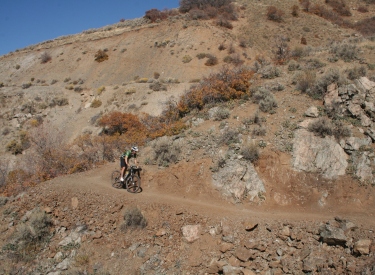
x=115, y=179
x=133, y=184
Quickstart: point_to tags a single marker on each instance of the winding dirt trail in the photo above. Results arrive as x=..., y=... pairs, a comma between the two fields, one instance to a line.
x=175, y=188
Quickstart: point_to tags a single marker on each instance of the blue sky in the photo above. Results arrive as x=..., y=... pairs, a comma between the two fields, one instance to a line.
x=27, y=22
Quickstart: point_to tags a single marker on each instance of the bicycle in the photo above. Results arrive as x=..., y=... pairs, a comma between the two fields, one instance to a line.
x=132, y=181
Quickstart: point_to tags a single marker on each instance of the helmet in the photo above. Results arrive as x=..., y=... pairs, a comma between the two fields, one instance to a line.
x=135, y=148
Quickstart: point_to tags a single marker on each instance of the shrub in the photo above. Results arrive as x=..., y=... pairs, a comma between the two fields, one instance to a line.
x=295, y=10
x=101, y=56
x=340, y=7
x=211, y=60
x=366, y=26
x=59, y=101
x=270, y=72
x=222, y=22
x=304, y=81
x=229, y=137
x=344, y=51
x=154, y=15
x=220, y=87
x=45, y=57
x=101, y=89
x=312, y=64
x=26, y=85
x=133, y=219
x=281, y=50
x=293, y=66
x=221, y=113
x=356, y=72
x=29, y=236
x=305, y=5
x=156, y=75
x=157, y=86
x=319, y=88
x=186, y=59
x=265, y=99
x=222, y=47
x=166, y=151
x=362, y=9
x=201, y=55
x=250, y=152
x=117, y=123
x=340, y=130
x=274, y=14
x=321, y=127
x=259, y=131
x=14, y=147
x=96, y=103
x=18, y=66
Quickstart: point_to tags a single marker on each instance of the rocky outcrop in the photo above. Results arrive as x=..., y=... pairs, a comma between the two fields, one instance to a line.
x=320, y=155
x=239, y=179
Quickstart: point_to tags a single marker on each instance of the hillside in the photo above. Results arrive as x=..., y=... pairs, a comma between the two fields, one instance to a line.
x=278, y=180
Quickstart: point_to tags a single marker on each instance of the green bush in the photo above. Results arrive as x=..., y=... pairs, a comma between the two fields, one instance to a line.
x=166, y=151
x=229, y=137
x=265, y=99
x=186, y=59
x=29, y=236
x=211, y=60
x=345, y=51
x=356, y=72
x=96, y=103
x=221, y=113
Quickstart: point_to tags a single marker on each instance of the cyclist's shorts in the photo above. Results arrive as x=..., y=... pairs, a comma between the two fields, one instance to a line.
x=122, y=162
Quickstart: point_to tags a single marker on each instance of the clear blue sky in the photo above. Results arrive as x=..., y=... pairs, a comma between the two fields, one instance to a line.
x=27, y=22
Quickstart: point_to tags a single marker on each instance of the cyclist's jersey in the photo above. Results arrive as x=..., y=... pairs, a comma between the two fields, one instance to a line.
x=128, y=154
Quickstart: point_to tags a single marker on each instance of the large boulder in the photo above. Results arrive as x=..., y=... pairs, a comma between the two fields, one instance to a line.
x=239, y=179
x=320, y=155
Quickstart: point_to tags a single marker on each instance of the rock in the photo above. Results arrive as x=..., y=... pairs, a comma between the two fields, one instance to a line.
x=250, y=226
x=362, y=247
x=332, y=235
x=239, y=179
x=191, y=232
x=215, y=267
x=243, y=254
x=315, y=154
x=74, y=202
x=312, y=112
x=224, y=247
x=160, y=232
x=355, y=109
x=371, y=134
x=58, y=256
x=65, y=264
x=354, y=143
x=231, y=270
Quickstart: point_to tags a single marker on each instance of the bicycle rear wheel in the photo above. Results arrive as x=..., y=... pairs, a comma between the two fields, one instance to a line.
x=133, y=184
x=115, y=179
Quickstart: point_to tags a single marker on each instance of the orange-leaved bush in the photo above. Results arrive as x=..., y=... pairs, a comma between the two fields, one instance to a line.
x=124, y=123
x=223, y=86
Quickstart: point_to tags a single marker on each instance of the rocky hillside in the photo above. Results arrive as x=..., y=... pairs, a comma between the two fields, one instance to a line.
x=276, y=179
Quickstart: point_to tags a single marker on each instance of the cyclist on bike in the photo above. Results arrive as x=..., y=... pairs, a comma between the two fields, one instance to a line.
x=124, y=160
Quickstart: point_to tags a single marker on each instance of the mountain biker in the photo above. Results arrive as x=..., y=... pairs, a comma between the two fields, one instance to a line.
x=124, y=160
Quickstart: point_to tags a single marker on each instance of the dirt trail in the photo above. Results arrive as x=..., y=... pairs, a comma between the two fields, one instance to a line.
x=159, y=189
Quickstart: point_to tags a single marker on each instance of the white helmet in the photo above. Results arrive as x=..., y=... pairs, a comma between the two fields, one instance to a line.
x=135, y=148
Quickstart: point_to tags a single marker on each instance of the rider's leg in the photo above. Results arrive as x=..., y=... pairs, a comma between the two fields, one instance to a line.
x=123, y=168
